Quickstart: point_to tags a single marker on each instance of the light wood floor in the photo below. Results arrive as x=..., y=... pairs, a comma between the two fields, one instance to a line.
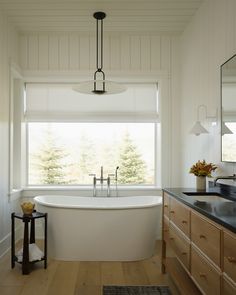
x=79, y=278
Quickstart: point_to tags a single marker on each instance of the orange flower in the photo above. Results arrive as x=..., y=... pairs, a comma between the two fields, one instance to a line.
x=201, y=168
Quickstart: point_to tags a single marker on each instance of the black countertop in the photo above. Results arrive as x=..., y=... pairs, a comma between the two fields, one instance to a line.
x=221, y=211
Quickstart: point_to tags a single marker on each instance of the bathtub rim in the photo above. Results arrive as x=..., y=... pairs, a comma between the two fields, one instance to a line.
x=100, y=206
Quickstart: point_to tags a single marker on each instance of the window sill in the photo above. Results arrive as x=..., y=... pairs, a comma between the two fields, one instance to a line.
x=14, y=194
x=32, y=191
x=89, y=187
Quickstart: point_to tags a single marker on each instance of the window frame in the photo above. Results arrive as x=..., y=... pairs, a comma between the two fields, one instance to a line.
x=159, y=77
x=157, y=171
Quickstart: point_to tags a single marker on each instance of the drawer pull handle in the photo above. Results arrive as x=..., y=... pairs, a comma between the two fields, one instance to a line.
x=184, y=221
x=166, y=206
x=172, y=211
x=171, y=238
x=165, y=230
x=231, y=259
x=202, y=275
x=184, y=253
x=202, y=237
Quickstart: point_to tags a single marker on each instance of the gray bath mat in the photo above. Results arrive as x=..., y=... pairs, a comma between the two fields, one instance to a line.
x=136, y=290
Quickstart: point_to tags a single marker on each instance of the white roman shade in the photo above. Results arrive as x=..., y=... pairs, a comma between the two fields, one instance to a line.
x=60, y=103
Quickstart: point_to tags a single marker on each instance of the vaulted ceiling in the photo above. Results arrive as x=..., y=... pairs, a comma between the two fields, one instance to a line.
x=162, y=16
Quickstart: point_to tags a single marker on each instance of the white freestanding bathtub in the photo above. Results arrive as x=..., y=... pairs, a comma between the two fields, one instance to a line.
x=101, y=229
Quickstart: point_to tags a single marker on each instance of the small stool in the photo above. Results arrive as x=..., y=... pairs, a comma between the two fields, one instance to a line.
x=27, y=219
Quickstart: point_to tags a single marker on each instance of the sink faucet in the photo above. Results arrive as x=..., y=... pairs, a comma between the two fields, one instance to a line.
x=233, y=177
x=94, y=184
x=102, y=179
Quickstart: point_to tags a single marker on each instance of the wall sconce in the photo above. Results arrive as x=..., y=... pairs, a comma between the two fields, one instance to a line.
x=225, y=129
x=198, y=129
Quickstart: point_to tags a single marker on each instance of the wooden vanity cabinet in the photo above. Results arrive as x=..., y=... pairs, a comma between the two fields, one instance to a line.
x=229, y=255
x=206, y=236
x=204, y=273
x=166, y=205
x=228, y=287
x=180, y=245
x=180, y=216
x=204, y=249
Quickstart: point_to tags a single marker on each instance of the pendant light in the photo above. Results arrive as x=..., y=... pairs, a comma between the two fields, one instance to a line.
x=99, y=84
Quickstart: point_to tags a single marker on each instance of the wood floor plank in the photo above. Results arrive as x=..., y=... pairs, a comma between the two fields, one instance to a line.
x=134, y=273
x=10, y=290
x=88, y=290
x=89, y=274
x=40, y=276
x=79, y=278
x=155, y=277
x=112, y=273
x=64, y=280
x=12, y=277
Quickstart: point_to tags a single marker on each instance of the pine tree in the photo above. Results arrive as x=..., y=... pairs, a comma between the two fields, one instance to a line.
x=87, y=159
x=50, y=162
x=132, y=167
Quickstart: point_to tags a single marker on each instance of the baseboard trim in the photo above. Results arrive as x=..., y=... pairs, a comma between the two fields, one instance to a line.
x=5, y=243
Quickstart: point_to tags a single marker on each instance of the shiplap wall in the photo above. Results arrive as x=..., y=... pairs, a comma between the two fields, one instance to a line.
x=143, y=56
x=207, y=42
x=77, y=52
x=8, y=53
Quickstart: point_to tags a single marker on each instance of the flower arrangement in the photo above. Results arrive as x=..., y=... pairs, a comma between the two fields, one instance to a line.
x=201, y=168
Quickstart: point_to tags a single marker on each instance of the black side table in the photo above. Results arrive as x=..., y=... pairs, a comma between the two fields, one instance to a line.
x=27, y=219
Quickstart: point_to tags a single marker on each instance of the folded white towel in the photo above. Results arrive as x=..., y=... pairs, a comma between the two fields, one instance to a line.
x=34, y=253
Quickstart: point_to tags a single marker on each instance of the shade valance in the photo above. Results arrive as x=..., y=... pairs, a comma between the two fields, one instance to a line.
x=59, y=102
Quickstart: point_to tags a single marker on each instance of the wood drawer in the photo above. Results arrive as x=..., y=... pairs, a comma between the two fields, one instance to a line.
x=180, y=215
x=166, y=204
x=229, y=255
x=204, y=274
x=206, y=237
x=166, y=229
x=227, y=287
x=180, y=246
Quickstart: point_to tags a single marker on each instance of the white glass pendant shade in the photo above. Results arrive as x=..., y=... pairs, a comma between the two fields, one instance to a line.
x=99, y=87
x=225, y=129
x=198, y=129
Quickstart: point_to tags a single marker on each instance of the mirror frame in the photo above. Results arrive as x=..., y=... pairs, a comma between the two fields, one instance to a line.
x=221, y=112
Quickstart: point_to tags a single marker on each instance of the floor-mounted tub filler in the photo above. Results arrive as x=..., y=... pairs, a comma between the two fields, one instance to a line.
x=101, y=229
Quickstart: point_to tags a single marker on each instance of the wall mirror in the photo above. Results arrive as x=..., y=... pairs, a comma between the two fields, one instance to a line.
x=228, y=110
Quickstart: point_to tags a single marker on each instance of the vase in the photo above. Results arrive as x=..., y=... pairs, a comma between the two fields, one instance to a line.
x=201, y=183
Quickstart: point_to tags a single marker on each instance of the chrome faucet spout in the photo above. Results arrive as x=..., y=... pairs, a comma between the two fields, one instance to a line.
x=233, y=177
x=108, y=186
x=101, y=177
x=116, y=173
x=94, y=184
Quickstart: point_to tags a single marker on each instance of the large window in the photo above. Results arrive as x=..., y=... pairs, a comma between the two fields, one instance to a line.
x=66, y=153
x=70, y=135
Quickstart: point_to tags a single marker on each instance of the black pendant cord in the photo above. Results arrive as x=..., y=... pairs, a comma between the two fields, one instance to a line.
x=99, y=57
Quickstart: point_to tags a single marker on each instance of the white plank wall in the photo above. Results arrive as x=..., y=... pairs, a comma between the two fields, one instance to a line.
x=207, y=42
x=48, y=51
x=8, y=52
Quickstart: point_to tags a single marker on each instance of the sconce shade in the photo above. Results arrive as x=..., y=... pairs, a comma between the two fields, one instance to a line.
x=99, y=85
x=198, y=129
x=225, y=129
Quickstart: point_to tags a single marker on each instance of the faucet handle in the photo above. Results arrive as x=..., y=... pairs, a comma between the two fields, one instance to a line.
x=111, y=174
x=92, y=174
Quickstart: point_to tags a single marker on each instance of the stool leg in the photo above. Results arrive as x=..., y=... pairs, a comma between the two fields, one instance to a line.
x=12, y=240
x=32, y=231
x=25, y=262
x=45, y=241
